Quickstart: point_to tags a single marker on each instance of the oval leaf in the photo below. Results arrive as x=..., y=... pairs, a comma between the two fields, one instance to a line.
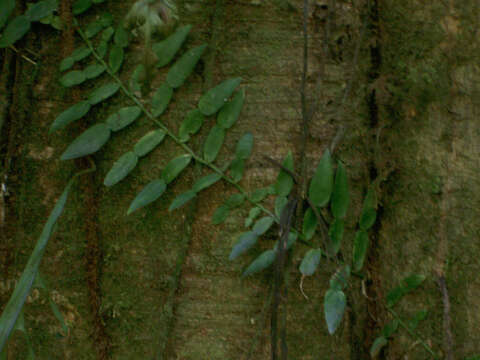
x=262, y=262
x=340, y=195
x=148, y=142
x=107, y=34
x=93, y=29
x=220, y=214
x=309, y=224
x=102, y=49
x=236, y=169
x=72, y=78
x=166, y=49
x=284, y=183
x=262, y=225
x=231, y=111
x=6, y=9
x=322, y=182
x=103, y=93
x=184, y=66
x=182, y=199
x=377, y=346
x=80, y=6
x=360, y=246
x=93, y=71
x=310, y=262
x=73, y=113
x=121, y=37
x=175, y=167
x=191, y=124
x=41, y=9
x=14, y=31
x=234, y=200
x=90, y=141
x=123, y=117
x=252, y=215
x=115, y=59
x=213, y=143
x=121, y=168
x=80, y=53
x=244, y=147
x=280, y=203
x=215, y=98
x=369, y=214
x=334, y=307
x=161, y=99
x=149, y=194
x=390, y=328
x=335, y=232
x=67, y=63
x=205, y=182
x=245, y=242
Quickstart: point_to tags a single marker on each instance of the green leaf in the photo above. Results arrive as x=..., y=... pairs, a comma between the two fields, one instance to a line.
x=244, y=147
x=80, y=53
x=121, y=37
x=215, y=98
x=6, y=9
x=252, y=215
x=229, y=113
x=191, y=124
x=41, y=9
x=259, y=194
x=236, y=169
x=413, y=281
x=369, y=215
x=151, y=192
x=115, y=59
x=205, y=182
x=220, y=214
x=182, y=199
x=108, y=33
x=184, y=66
x=123, y=117
x=175, y=167
x=334, y=307
x=166, y=49
x=234, y=201
x=322, y=182
x=213, y=143
x=67, y=63
x=73, y=113
x=161, y=99
x=80, y=6
x=339, y=280
x=280, y=203
x=360, y=246
x=262, y=225
x=292, y=238
x=121, y=168
x=419, y=316
x=102, y=49
x=260, y=263
x=377, y=346
x=93, y=29
x=90, y=141
x=473, y=358
x=138, y=77
x=103, y=93
x=244, y=242
x=310, y=261
x=335, y=232
x=14, y=306
x=14, y=31
x=93, y=71
x=106, y=19
x=395, y=295
x=284, y=183
x=390, y=328
x=73, y=78
x=148, y=142
x=408, y=284
x=309, y=224
x=340, y=195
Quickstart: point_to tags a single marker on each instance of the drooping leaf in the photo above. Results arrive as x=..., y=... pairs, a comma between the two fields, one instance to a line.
x=280, y=203
x=41, y=9
x=260, y=263
x=335, y=232
x=161, y=99
x=66, y=63
x=234, y=201
x=80, y=6
x=339, y=279
x=217, y=97
x=340, y=195
x=213, y=143
x=262, y=225
x=184, y=66
x=151, y=192
x=90, y=141
x=309, y=224
x=102, y=49
x=407, y=285
x=244, y=147
x=14, y=31
x=175, y=167
x=334, y=307
x=259, y=194
x=166, y=49
x=252, y=215
x=73, y=78
x=93, y=71
x=115, y=59
x=419, y=316
x=369, y=214
x=121, y=37
x=73, y=113
x=310, y=261
x=377, y=346
x=80, y=53
x=123, y=117
x=182, y=199
x=229, y=113
x=236, y=169
x=103, y=93
x=121, y=168
x=205, y=182
x=191, y=124
x=321, y=184
x=390, y=328
x=6, y=9
x=360, y=246
x=284, y=183
x=244, y=242
x=93, y=29
x=220, y=214
x=148, y=142
x=107, y=34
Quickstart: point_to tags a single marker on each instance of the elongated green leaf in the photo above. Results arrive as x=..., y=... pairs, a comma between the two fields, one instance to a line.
x=360, y=246
x=217, y=97
x=73, y=113
x=182, y=199
x=340, y=195
x=205, y=182
x=175, y=167
x=377, y=346
x=335, y=232
x=262, y=262
x=73, y=78
x=280, y=203
x=121, y=37
x=184, y=66
x=244, y=147
x=309, y=224
x=41, y=9
x=67, y=63
x=103, y=93
x=80, y=6
x=105, y=19
x=244, y=242
x=102, y=49
x=115, y=59
x=322, y=182
x=93, y=29
x=121, y=168
x=108, y=33
x=93, y=71
x=395, y=295
x=213, y=143
x=220, y=214
x=80, y=53
x=151, y=192
x=166, y=49
x=90, y=141
x=408, y=284
x=252, y=215
x=6, y=9
x=339, y=280
x=191, y=124
x=262, y=225
x=419, y=316
x=15, y=303
x=14, y=31
x=234, y=200
x=229, y=114
x=136, y=80
x=123, y=117
x=334, y=307
x=148, y=142
x=390, y=328
x=259, y=194
x=161, y=99
x=236, y=169
x=310, y=261
x=413, y=281
x=369, y=214
x=284, y=183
